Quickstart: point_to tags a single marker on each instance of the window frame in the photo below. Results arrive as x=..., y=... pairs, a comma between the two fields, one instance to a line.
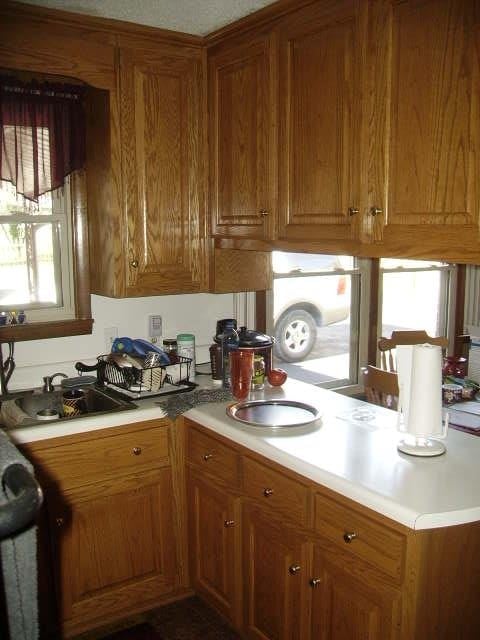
x=82, y=323
x=60, y=220
x=359, y=327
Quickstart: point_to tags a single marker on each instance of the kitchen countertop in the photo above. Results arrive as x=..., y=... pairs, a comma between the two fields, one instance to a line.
x=358, y=459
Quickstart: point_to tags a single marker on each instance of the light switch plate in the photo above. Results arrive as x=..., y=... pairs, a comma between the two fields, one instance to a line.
x=154, y=326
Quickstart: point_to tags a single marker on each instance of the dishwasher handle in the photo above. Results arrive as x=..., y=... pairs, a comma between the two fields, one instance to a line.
x=21, y=510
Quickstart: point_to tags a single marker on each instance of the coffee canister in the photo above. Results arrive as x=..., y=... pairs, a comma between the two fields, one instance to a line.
x=186, y=348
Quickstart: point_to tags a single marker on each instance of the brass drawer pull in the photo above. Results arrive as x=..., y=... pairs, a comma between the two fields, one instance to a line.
x=352, y=211
x=263, y=213
x=315, y=582
x=134, y=264
x=375, y=211
x=229, y=523
x=208, y=456
x=267, y=492
x=137, y=451
x=293, y=569
x=349, y=536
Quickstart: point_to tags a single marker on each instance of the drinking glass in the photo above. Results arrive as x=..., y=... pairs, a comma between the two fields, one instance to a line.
x=241, y=371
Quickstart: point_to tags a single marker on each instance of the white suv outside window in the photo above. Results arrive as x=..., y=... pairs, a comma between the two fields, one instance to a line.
x=309, y=291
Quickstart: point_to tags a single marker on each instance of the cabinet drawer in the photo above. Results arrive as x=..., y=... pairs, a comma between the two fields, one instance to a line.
x=365, y=538
x=211, y=456
x=280, y=492
x=80, y=463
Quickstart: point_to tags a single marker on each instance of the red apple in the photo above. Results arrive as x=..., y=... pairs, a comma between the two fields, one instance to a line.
x=276, y=377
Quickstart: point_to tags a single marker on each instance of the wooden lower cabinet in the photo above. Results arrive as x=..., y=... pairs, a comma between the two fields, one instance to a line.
x=113, y=545
x=214, y=517
x=110, y=531
x=275, y=559
x=347, y=608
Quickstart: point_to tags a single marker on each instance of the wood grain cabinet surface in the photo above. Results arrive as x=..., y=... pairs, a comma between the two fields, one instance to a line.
x=376, y=108
x=241, y=137
x=111, y=528
x=423, y=89
x=321, y=68
x=162, y=146
x=214, y=522
x=315, y=565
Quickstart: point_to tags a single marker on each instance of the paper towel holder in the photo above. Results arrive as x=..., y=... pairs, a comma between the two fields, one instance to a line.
x=420, y=421
x=421, y=446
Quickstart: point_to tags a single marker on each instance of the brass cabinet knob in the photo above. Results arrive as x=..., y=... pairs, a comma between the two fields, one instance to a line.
x=134, y=264
x=137, y=451
x=229, y=523
x=349, y=536
x=208, y=456
x=293, y=569
x=59, y=522
x=375, y=211
x=314, y=582
x=267, y=492
x=262, y=213
x=352, y=211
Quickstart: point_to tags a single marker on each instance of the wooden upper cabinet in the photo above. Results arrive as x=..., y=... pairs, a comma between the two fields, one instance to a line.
x=425, y=117
x=162, y=146
x=242, y=157
x=320, y=74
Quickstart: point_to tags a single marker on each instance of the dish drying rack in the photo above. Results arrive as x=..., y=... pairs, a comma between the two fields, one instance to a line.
x=140, y=381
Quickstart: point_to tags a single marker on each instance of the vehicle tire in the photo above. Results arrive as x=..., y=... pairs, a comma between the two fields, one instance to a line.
x=295, y=335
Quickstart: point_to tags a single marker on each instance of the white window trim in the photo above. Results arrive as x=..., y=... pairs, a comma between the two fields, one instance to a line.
x=61, y=212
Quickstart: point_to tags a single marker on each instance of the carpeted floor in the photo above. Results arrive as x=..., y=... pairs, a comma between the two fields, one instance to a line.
x=188, y=619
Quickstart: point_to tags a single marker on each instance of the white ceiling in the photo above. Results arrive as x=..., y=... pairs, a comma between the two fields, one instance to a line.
x=198, y=17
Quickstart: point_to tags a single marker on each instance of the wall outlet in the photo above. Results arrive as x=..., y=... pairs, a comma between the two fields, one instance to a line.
x=154, y=326
x=110, y=334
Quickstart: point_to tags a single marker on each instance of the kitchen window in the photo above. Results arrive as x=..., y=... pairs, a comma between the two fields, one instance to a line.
x=315, y=311
x=415, y=294
x=36, y=262
x=43, y=227
x=320, y=310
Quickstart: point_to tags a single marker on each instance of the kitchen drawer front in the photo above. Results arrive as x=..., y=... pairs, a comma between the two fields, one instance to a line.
x=281, y=493
x=212, y=456
x=361, y=536
x=81, y=463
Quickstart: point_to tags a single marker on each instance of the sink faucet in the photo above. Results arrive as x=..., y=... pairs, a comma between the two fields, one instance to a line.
x=48, y=382
x=6, y=368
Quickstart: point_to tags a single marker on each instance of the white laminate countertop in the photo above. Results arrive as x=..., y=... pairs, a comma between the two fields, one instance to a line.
x=358, y=459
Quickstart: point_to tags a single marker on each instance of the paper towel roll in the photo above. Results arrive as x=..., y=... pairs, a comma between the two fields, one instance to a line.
x=419, y=370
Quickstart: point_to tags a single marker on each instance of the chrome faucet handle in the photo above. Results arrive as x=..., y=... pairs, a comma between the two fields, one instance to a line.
x=48, y=385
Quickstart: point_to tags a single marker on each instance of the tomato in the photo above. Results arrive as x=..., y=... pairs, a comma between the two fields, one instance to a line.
x=276, y=377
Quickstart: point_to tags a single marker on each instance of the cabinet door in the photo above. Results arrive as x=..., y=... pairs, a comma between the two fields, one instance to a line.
x=242, y=155
x=346, y=608
x=215, y=546
x=114, y=547
x=426, y=115
x=162, y=148
x=275, y=559
x=322, y=55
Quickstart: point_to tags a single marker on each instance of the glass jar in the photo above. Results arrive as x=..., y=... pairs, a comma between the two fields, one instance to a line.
x=186, y=348
x=170, y=347
x=258, y=377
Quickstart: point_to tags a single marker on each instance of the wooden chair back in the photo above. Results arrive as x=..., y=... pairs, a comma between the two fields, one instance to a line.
x=381, y=387
x=386, y=346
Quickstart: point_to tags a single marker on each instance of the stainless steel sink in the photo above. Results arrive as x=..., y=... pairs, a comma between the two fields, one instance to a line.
x=39, y=407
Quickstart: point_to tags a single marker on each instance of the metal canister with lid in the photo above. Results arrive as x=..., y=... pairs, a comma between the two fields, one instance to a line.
x=260, y=343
